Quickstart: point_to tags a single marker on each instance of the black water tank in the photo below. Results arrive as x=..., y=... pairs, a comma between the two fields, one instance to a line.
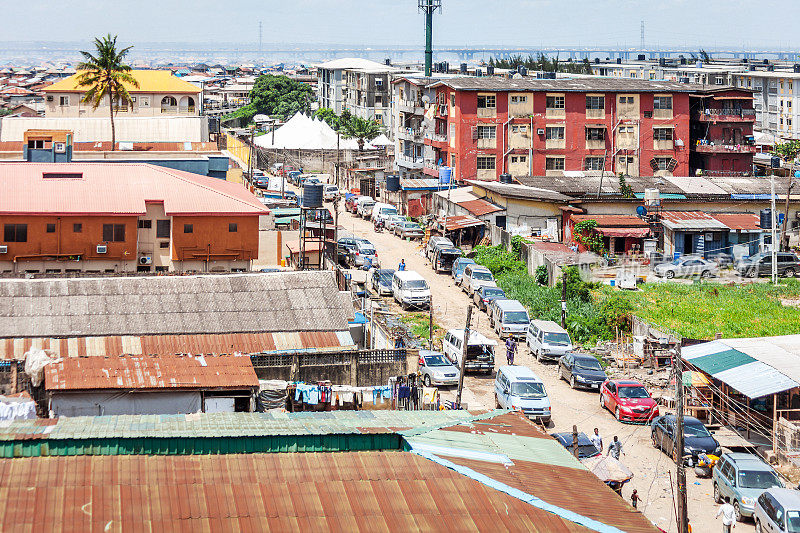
x=775, y=161
x=312, y=195
x=387, y=61
x=506, y=178
x=683, y=60
x=523, y=71
x=619, y=61
x=765, y=219
x=640, y=57
x=796, y=68
x=596, y=60
x=393, y=183
x=766, y=61
x=490, y=70
x=770, y=68
x=463, y=68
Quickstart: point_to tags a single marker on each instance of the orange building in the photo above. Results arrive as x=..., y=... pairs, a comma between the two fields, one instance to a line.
x=112, y=217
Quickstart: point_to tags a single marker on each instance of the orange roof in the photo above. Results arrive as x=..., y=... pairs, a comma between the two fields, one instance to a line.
x=612, y=220
x=150, y=81
x=480, y=207
x=739, y=221
x=119, y=189
x=147, y=372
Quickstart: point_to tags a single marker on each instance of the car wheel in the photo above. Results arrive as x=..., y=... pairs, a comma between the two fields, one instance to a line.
x=739, y=517
x=705, y=274
x=789, y=272
x=759, y=529
x=654, y=439
x=572, y=382
x=669, y=274
x=602, y=402
x=539, y=355
x=427, y=380
x=717, y=494
x=616, y=413
x=752, y=273
x=496, y=402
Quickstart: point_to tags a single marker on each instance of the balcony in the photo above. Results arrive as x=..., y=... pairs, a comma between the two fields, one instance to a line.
x=727, y=115
x=438, y=140
x=720, y=148
x=411, y=106
x=410, y=134
x=410, y=162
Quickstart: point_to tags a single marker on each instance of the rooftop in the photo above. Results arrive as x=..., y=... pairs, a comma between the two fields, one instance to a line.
x=583, y=84
x=356, y=63
x=526, y=192
x=150, y=81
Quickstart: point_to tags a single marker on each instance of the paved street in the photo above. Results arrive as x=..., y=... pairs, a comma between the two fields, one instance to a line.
x=650, y=466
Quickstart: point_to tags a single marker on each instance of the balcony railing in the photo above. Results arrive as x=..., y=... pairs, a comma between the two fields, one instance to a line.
x=409, y=161
x=410, y=133
x=436, y=137
x=730, y=112
x=702, y=147
x=410, y=106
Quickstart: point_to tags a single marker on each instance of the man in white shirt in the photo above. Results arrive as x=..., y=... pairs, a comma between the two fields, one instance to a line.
x=597, y=440
x=728, y=515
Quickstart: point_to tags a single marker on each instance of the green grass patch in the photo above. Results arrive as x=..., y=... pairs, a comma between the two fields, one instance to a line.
x=419, y=325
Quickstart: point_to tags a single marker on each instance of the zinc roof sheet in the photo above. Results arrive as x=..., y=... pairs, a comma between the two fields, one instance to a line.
x=150, y=81
x=480, y=207
x=691, y=220
x=460, y=222
x=739, y=221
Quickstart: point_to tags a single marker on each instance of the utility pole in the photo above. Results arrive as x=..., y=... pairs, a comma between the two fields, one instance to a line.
x=464, y=345
x=575, y=442
x=430, y=323
x=250, y=165
x=563, y=299
x=259, y=37
x=428, y=7
x=785, y=225
x=681, y=474
x=772, y=227
x=642, y=39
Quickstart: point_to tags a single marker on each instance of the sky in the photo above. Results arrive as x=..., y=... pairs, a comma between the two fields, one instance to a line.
x=701, y=23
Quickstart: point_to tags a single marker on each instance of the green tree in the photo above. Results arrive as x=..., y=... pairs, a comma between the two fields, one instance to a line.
x=275, y=96
x=361, y=129
x=329, y=116
x=106, y=75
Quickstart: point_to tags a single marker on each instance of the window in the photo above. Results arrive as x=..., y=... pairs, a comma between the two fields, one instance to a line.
x=595, y=134
x=554, y=163
x=594, y=163
x=233, y=227
x=519, y=99
x=379, y=82
x=719, y=80
x=63, y=100
x=626, y=99
x=487, y=132
x=486, y=162
x=163, y=244
x=662, y=134
x=77, y=228
x=15, y=233
x=625, y=159
x=51, y=228
x=114, y=232
x=452, y=100
x=519, y=159
x=662, y=102
x=162, y=229
x=555, y=102
x=595, y=102
x=663, y=163
x=519, y=129
x=487, y=101
x=453, y=160
x=35, y=144
x=144, y=101
x=554, y=133
x=145, y=224
x=188, y=228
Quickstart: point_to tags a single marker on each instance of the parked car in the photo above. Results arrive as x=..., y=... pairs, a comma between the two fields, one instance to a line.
x=408, y=229
x=458, y=267
x=345, y=245
x=778, y=510
x=443, y=258
x=351, y=203
x=435, y=241
x=761, y=265
x=696, y=438
x=586, y=447
x=547, y=340
x=722, y=259
x=381, y=211
x=379, y=281
x=628, y=400
x=330, y=193
x=321, y=215
x=360, y=252
x=581, y=370
x=518, y=387
x=410, y=289
x=474, y=277
x=486, y=295
x=509, y=318
x=686, y=267
x=436, y=369
x=480, y=350
x=364, y=206
x=393, y=220
x=742, y=477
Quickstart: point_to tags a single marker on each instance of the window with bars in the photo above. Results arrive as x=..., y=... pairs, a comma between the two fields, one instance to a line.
x=594, y=163
x=486, y=162
x=662, y=102
x=487, y=101
x=595, y=102
x=519, y=99
x=519, y=159
x=487, y=132
x=662, y=134
x=595, y=134
x=555, y=102
x=162, y=229
x=554, y=163
x=554, y=133
x=662, y=163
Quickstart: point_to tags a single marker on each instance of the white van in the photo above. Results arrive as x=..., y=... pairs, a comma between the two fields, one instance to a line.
x=518, y=387
x=778, y=510
x=410, y=289
x=364, y=206
x=509, y=319
x=547, y=340
x=381, y=211
x=474, y=277
x=480, y=350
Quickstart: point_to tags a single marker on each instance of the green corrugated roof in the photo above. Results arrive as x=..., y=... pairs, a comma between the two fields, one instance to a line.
x=721, y=361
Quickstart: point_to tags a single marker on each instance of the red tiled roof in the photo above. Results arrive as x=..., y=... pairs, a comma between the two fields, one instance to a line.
x=480, y=207
x=363, y=491
x=15, y=91
x=184, y=372
x=612, y=220
x=739, y=221
x=120, y=189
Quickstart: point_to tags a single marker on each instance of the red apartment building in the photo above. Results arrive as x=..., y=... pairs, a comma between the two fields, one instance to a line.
x=484, y=127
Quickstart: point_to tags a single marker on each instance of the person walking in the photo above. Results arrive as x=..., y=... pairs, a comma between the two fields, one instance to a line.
x=634, y=498
x=402, y=265
x=615, y=448
x=728, y=513
x=511, y=350
x=597, y=440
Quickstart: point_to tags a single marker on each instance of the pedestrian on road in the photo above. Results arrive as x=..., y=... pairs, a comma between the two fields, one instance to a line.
x=728, y=515
x=511, y=349
x=634, y=498
x=367, y=262
x=615, y=448
x=597, y=440
x=402, y=265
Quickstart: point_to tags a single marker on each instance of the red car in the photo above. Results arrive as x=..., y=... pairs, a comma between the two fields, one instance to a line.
x=628, y=400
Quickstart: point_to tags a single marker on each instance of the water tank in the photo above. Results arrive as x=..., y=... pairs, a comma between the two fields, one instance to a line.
x=506, y=178
x=463, y=68
x=770, y=68
x=522, y=71
x=652, y=197
x=619, y=61
x=312, y=195
x=641, y=57
x=490, y=70
x=387, y=61
x=683, y=60
x=597, y=60
x=393, y=183
x=796, y=68
x=765, y=218
x=478, y=72
x=766, y=61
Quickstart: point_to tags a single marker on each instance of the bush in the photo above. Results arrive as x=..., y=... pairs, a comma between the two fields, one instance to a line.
x=541, y=276
x=499, y=260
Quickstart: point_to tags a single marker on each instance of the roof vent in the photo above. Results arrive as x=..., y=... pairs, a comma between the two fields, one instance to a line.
x=62, y=175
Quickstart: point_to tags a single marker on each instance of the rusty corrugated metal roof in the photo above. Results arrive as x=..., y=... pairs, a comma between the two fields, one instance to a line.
x=739, y=221
x=184, y=372
x=612, y=220
x=480, y=207
x=460, y=222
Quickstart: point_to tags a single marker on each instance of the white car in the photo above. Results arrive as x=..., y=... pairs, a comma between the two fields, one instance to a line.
x=330, y=193
x=394, y=220
x=474, y=277
x=687, y=267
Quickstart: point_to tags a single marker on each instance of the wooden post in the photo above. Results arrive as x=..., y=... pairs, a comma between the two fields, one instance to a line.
x=430, y=323
x=774, y=423
x=575, y=442
x=464, y=345
x=681, y=473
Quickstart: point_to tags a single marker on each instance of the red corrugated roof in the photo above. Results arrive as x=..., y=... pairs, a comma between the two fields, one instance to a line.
x=460, y=221
x=201, y=372
x=612, y=220
x=480, y=207
x=623, y=232
x=120, y=189
x=739, y=221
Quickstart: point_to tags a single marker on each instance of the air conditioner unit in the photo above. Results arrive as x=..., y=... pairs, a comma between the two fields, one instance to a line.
x=145, y=260
x=540, y=131
x=102, y=249
x=50, y=98
x=3, y=249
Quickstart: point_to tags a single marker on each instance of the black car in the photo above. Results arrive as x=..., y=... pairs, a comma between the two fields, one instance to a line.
x=344, y=246
x=585, y=446
x=696, y=438
x=581, y=371
x=761, y=265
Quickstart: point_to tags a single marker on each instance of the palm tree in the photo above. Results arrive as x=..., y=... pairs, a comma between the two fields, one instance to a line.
x=361, y=129
x=105, y=74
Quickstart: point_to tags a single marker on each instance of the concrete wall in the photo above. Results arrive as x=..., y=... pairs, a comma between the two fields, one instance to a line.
x=146, y=105
x=128, y=129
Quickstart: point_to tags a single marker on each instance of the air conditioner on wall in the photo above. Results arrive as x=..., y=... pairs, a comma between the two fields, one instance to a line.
x=102, y=249
x=540, y=131
x=145, y=260
x=3, y=249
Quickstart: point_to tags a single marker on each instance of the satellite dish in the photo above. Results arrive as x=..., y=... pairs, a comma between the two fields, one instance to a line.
x=641, y=210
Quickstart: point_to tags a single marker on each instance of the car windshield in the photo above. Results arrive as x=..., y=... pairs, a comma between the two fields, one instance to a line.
x=793, y=521
x=386, y=276
x=677, y=262
x=436, y=360
x=758, y=479
x=557, y=339
x=493, y=291
x=366, y=251
x=588, y=364
x=416, y=284
x=527, y=390
x=516, y=317
x=695, y=430
x=481, y=275
x=633, y=392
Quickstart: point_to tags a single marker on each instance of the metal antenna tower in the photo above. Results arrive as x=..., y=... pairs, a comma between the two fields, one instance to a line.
x=259, y=36
x=641, y=44
x=428, y=7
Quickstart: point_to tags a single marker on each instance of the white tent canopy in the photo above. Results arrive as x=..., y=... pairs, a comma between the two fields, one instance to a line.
x=303, y=133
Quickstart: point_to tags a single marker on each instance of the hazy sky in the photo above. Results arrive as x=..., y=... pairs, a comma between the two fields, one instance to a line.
x=504, y=22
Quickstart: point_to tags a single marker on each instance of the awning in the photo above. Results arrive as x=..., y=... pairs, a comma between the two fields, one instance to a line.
x=663, y=126
x=720, y=97
x=596, y=126
x=460, y=222
x=637, y=233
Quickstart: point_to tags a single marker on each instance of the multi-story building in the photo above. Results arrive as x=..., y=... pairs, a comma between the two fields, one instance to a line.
x=484, y=127
x=360, y=86
x=721, y=133
x=409, y=124
x=159, y=93
x=119, y=217
x=776, y=100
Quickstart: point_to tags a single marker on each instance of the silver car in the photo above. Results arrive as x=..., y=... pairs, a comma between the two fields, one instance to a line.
x=436, y=369
x=687, y=267
x=408, y=230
